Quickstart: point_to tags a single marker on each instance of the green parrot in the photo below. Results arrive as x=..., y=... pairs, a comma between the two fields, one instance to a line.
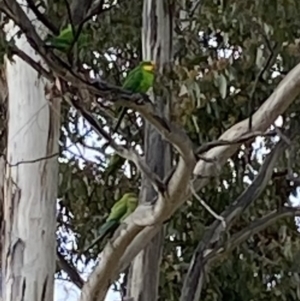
x=64, y=41
x=120, y=210
x=139, y=80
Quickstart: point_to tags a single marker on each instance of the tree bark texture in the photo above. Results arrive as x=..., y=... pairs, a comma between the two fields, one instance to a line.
x=157, y=46
x=29, y=225
x=3, y=143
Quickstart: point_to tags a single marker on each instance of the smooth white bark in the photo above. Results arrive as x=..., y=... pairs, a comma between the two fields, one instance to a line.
x=30, y=187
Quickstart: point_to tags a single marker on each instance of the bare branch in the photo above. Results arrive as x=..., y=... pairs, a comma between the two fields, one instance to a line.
x=139, y=102
x=35, y=65
x=244, y=138
x=276, y=104
x=194, y=278
x=128, y=154
x=42, y=18
x=213, y=213
x=253, y=228
x=70, y=270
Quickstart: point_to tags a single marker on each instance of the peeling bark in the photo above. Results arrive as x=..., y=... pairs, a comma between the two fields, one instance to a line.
x=157, y=46
x=29, y=225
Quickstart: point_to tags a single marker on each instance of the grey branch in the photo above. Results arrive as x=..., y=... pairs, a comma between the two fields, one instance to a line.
x=213, y=213
x=194, y=278
x=128, y=154
x=70, y=270
x=253, y=228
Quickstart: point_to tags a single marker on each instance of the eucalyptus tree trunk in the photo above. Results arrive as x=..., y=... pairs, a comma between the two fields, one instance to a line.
x=3, y=142
x=30, y=190
x=157, y=46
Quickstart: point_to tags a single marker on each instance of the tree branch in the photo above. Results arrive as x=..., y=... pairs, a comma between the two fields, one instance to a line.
x=70, y=270
x=239, y=140
x=253, y=228
x=139, y=102
x=128, y=154
x=42, y=18
x=194, y=279
x=219, y=250
x=35, y=65
x=276, y=104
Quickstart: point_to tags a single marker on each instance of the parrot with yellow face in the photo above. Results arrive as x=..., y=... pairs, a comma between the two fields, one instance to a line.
x=139, y=80
x=120, y=210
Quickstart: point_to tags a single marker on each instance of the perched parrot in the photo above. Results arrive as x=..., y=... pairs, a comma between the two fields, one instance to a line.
x=65, y=39
x=120, y=210
x=139, y=80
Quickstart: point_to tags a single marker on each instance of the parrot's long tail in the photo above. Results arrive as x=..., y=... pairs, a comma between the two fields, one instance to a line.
x=108, y=227
x=121, y=116
x=57, y=43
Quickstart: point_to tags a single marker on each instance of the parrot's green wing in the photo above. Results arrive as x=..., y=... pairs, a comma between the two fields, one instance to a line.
x=134, y=79
x=66, y=34
x=139, y=80
x=125, y=205
x=130, y=209
x=147, y=81
x=119, y=211
x=63, y=40
x=131, y=83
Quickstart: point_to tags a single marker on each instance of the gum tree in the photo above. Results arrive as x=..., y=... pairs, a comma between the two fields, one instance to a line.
x=215, y=219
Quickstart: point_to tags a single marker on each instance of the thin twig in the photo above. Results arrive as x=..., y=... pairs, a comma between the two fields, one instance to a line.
x=254, y=227
x=35, y=65
x=124, y=152
x=213, y=213
x=248, y=136
x=42, y=18
x=259, y=76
